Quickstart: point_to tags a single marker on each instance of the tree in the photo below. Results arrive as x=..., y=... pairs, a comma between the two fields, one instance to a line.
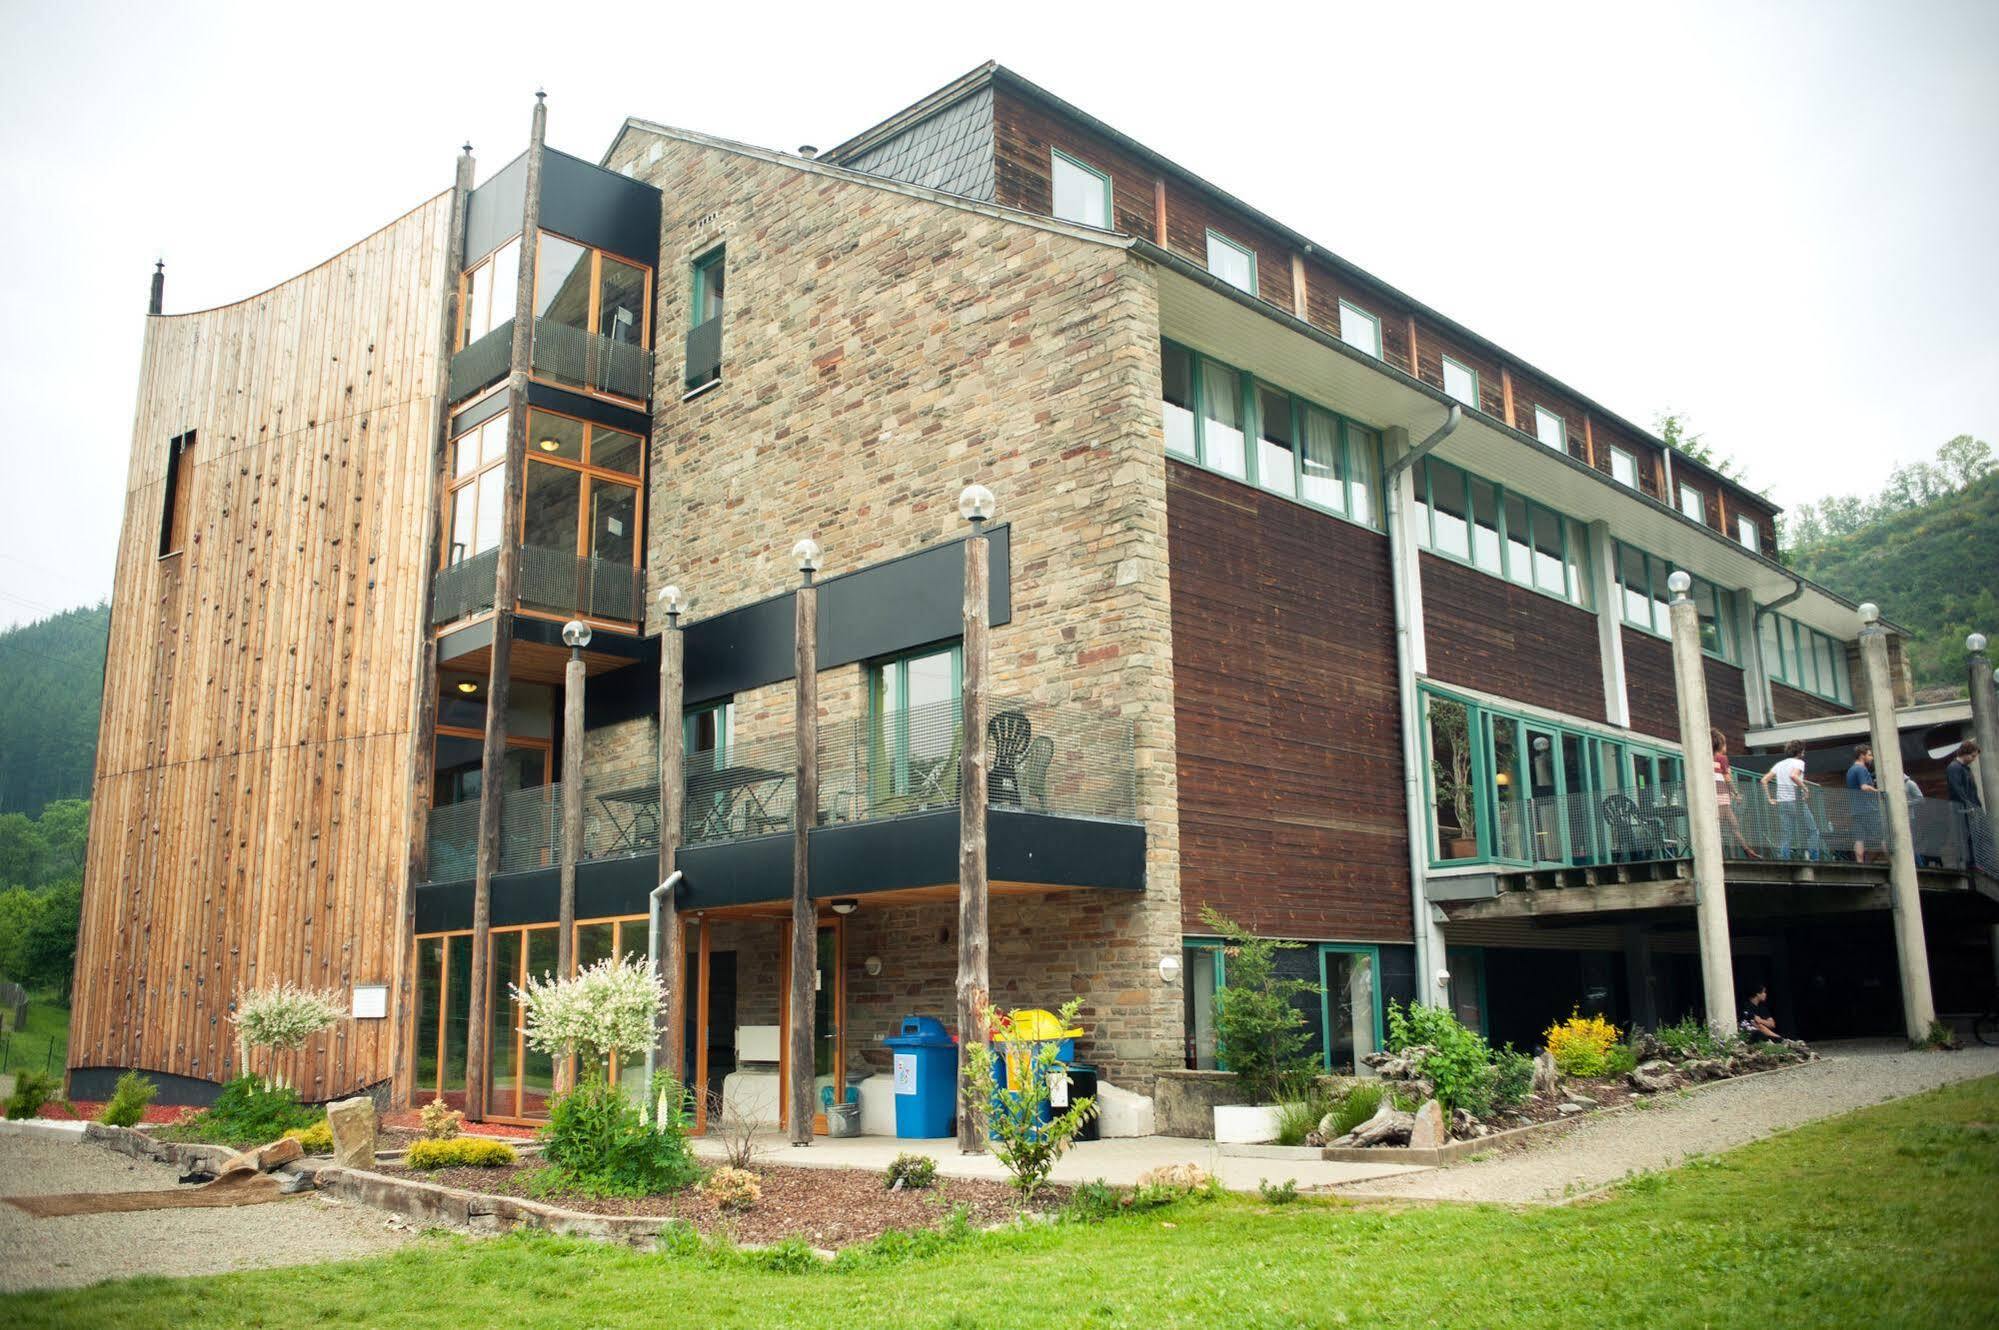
x=24, y=853
x=1675, y=429
x=48, y=952
x=1260, y=1032
x=1964, y=459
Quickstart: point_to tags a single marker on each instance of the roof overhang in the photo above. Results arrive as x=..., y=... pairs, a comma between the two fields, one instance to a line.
x=1854, y=725
x=1205, y=313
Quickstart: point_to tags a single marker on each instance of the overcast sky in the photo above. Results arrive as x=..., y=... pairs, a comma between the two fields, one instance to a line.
x=1776, y=218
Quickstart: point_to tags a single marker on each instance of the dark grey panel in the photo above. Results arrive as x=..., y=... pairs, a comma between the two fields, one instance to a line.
x=589, y=408
x=95, y=1084
x=495, y=209
x=585, y=202
x=603, y=641
x=1061, y=851
x=480, y=411
x=951, y=151
x=743, y=649
x=464, y=641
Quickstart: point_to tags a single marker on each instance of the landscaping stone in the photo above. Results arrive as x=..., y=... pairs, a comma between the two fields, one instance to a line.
x=1547, y=1076
x=1386, y=1127
x=264, y=1158
x=1426, y=1130
x=354, y=1126
x=1654, y=1077
x=1569, y=1109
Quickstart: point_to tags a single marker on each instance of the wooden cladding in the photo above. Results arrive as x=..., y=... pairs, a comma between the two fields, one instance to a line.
x=1486, y=633
x=1654, y=700
x=1289, y=747
x=251, y=791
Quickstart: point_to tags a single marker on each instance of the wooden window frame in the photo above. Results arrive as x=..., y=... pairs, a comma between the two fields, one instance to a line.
x=1057, y=157
x=457, y=482
x=590, y=473
x=597, y=254
x=1347, y=309
x=1216, y=237
x=462, y=334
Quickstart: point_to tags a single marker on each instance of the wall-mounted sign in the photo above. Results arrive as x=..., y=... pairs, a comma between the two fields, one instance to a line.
x=371, y=1002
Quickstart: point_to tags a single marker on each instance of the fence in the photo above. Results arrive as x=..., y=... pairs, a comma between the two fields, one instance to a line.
x=557, y=580
x=576, y=356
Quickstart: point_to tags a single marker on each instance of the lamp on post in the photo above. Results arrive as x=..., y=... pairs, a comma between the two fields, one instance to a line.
x=976, y=505
x=1890, y=813
x=1703, y=804
x=666, y=946
x=809, y=558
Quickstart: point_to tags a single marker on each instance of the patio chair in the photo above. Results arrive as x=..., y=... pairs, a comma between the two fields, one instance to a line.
x=1010, y=733
x=1634, y=836
x=1034, y=770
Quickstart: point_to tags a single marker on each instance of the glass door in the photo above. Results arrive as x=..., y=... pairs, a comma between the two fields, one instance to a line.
x=828, y=1051
x=1543, y=775
x=1348, y=998
x=1577, y=807
x=1508, y=809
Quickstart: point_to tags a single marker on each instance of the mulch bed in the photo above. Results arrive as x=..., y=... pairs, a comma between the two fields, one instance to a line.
x=1610, y=1093
x=826, y=1207
x=86, y=1110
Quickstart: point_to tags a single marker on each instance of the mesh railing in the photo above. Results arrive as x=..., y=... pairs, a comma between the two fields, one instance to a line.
x=573, y=355
x=558, y=581
x=463, y=588
x=704, y=353
x=747, y=788
x=454, y=841
x=482, y=362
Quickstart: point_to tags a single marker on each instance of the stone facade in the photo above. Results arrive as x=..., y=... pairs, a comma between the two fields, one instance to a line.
x=881, y=349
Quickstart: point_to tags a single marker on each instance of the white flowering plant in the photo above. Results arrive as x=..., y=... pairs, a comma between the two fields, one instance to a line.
x=283, y=1018
x=611, y=1007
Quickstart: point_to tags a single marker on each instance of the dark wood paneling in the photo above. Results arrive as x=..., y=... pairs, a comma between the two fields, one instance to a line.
x=1655, y=706
x=1791, y=704
x=1486, y=633
x=1290, y=760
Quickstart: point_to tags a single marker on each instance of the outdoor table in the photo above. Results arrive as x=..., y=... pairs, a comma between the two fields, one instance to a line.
x=714, y=796
x=633, y=810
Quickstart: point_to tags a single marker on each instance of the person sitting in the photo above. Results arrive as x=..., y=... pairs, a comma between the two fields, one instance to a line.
x=1757, y=1023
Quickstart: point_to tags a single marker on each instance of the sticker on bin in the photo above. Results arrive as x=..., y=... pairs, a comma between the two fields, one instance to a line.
x=905, y=1073
x=1058, y=1088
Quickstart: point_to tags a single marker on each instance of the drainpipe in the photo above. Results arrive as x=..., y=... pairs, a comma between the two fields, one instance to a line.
x=1401, y=564
x=673, y=880
x=1756, y=644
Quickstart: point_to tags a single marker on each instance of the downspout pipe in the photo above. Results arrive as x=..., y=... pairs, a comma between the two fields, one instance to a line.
x=1756, y=643
x=672, y=883
x=1400, y=564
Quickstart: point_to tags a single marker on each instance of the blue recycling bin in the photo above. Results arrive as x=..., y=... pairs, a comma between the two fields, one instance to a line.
x=926, y=1078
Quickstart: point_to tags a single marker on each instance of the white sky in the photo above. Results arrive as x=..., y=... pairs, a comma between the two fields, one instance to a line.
x=1775, y=217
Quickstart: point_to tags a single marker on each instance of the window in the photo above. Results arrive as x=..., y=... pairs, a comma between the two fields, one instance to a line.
x=1549, y=429
x=1475, y=521
x=175, y=500
x=1692, y=503
x=1276, y=443
x=1360, y=329
x=1646, y=602
x=706, y=728
x=1233, y=263
x=489, y=292
x=1082, y=193
x=709, y=272
x=704, y=319
x=475, y=501
x=580, y=500
x=1804, y=658
x=1176, y=391
x=1221, y=419
x=914, y=716
x=1623, y=467
x=1461, y=382
x=587, y=305
x=1746, y=533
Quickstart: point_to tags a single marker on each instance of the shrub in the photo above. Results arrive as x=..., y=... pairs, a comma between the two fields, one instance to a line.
x=459, y=1152
x=910, y=1173
x=249, y=1111
x=314, y=1140
x=127, y=1105
x=1020, y=1140
x=1581, y=1045
x=1283, y=1193
x=1093, y=1202
x=602, y=1144
x=1302, y=1102
x=440, y=1120
x=32, y=1089
x=283, y=1018
x=1355, y=1107
x=732, y=1189
x=1622, y=1060
x=1688, y=1037
x=1512, y=1076
x=611, y=1007
x=1459, y=1063
x=1259, y=1031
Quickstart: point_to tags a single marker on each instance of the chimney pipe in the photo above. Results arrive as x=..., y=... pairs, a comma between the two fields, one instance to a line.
x=159, y=287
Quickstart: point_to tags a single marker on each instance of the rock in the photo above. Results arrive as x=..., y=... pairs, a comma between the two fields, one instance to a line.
x=1462, y=1123
x=1426, y=1130
x=1392, y=1128
x=1122, y=1113
x=1654, y=1077
x=353, y=1124
x=262, y=1159
x=1568, y=1109
x=1547, y=1076
x=1705, y=1069
x=1582, y=1101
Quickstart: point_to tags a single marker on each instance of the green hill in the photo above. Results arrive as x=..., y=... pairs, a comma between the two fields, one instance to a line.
x=54, y=673
x=1932, y=567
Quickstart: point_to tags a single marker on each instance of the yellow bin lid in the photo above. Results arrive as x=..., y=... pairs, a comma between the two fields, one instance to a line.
x=1035, y=1024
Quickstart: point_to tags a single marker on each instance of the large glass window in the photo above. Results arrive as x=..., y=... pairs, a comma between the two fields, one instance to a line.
x=1324, y=471
x=475, y=503
x=1447, y=738
x=1082, y=194
x=1464, y=517
x=1646, y=602
x=489, y=292
x=1804, y=658
x=562, y=282
x=1233, y=263
x=1276, y=446
x=1360, y=329
x=581, y=492
x=1221, y=419
x=914, y=721
x=1176, y=388
x=593, y=293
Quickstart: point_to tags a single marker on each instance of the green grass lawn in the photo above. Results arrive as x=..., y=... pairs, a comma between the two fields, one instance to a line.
x=42, y=1043
x=1885, y=1217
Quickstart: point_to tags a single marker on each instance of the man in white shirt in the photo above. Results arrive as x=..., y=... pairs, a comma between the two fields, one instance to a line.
x=1785, y=786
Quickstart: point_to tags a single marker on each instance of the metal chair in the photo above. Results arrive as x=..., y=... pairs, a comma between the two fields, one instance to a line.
x=1010, y=733
x=1034, y=770
x=1634, y=836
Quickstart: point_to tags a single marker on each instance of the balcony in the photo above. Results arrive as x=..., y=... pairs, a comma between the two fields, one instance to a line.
x=483, y=362
x=553, y=581
x=464, y=588
x=561, y=354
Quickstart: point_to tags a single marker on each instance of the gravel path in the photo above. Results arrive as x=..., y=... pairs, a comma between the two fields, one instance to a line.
x=82, y=1249
x=1722, y=1115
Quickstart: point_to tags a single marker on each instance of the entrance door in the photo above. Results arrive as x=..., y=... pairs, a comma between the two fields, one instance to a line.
x=1347, y=983
x=520, y=1080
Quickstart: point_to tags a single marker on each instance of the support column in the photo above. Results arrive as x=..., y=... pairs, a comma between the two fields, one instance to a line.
x=1985, y=728
x=576, y=634
x=804, y=812
x=493, y=755
x=670, y=1035
x=1609, y=625
x=1911, y=954
x=1703, y=813
x=974, y=973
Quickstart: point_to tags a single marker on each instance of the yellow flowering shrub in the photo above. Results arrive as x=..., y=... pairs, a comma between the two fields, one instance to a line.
x=1581, y=1044
x=316, y=1139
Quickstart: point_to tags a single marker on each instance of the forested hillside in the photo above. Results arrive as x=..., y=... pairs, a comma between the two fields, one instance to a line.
x=54, y=676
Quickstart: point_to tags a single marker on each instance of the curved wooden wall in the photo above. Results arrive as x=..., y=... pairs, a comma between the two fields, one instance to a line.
x=249, y=825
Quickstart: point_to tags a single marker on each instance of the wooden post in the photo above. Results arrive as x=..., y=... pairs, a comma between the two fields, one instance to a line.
x=974, y=979
x=1919, y=1009
x=574, y=678
x=805, y=811
x=1159, y=212
x=669, y=1048
x=1985, y=728
x=1506, y=395
x=493, y=755
x=423, y=716
x=1703, y=815
x=158, y=299
x=701, y=1044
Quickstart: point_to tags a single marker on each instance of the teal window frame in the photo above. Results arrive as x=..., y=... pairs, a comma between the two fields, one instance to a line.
x=1326, y=950
x=1481, y=720
x=1727, y=643
x=1349, y=309
x=1220, y=948
x=1216, y=237
x=725, y=726
x=1560, y=443
x=1359, y=456
x=1798, y=664
x=1578, y=579
x=890, y=729
x=697, y=301
x=1056, y=155
x=1453, y=363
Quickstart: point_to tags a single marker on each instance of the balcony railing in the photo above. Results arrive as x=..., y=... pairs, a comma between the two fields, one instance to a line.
x=575, y=356
x=482, y=362
x=1067, y=761
x=704, y=353
x=463, y=588
x=559, y=582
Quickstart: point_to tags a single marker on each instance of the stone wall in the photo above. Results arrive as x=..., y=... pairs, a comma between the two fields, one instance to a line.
x=881, y=349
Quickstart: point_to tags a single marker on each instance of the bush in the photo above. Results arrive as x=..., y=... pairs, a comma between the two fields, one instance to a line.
x=127, y=1105
x=1512, y=1076
x=32, y=1089
x=1302, y=1102
x=249, y=1111
x=611, y=1007
x=1581, y=1045
x=602, y=1144
x=1459, y=1063
x=1622, y=1060
x=1688, y=1037
x=1259, y=1032
x=460, y=1152
x=314, y=1140
x=1020, y=1140
x=910, y=1173
x=1283, y=1193
x=1093, y=1202
x=283, y=1018
x=1356, y=1106
x=733, y=1189
x=440, y=1120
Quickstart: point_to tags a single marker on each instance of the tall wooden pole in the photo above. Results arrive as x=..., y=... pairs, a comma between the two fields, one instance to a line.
x=1985, y=728
x=574, y=678
x=1703, y=815
x=669, y=1048
x=423, y=707
x=1919, y=1009
x=493, y=755
x=157, y=301
x=974, y=980
x=805, y=811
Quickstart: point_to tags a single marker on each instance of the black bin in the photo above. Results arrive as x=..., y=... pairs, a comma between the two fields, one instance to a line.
x=1083, y=1085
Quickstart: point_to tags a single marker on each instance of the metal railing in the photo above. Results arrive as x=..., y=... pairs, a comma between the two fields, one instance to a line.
x=581, y=358
x=463, y=588
x=704, y=353
x=558, y=581
x=481, y=363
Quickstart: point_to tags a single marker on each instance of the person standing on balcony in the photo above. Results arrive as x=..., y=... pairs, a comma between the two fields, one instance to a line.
x=1959, y=779
x=1866, y=812
x=1785, y=788
x=1724, y=793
